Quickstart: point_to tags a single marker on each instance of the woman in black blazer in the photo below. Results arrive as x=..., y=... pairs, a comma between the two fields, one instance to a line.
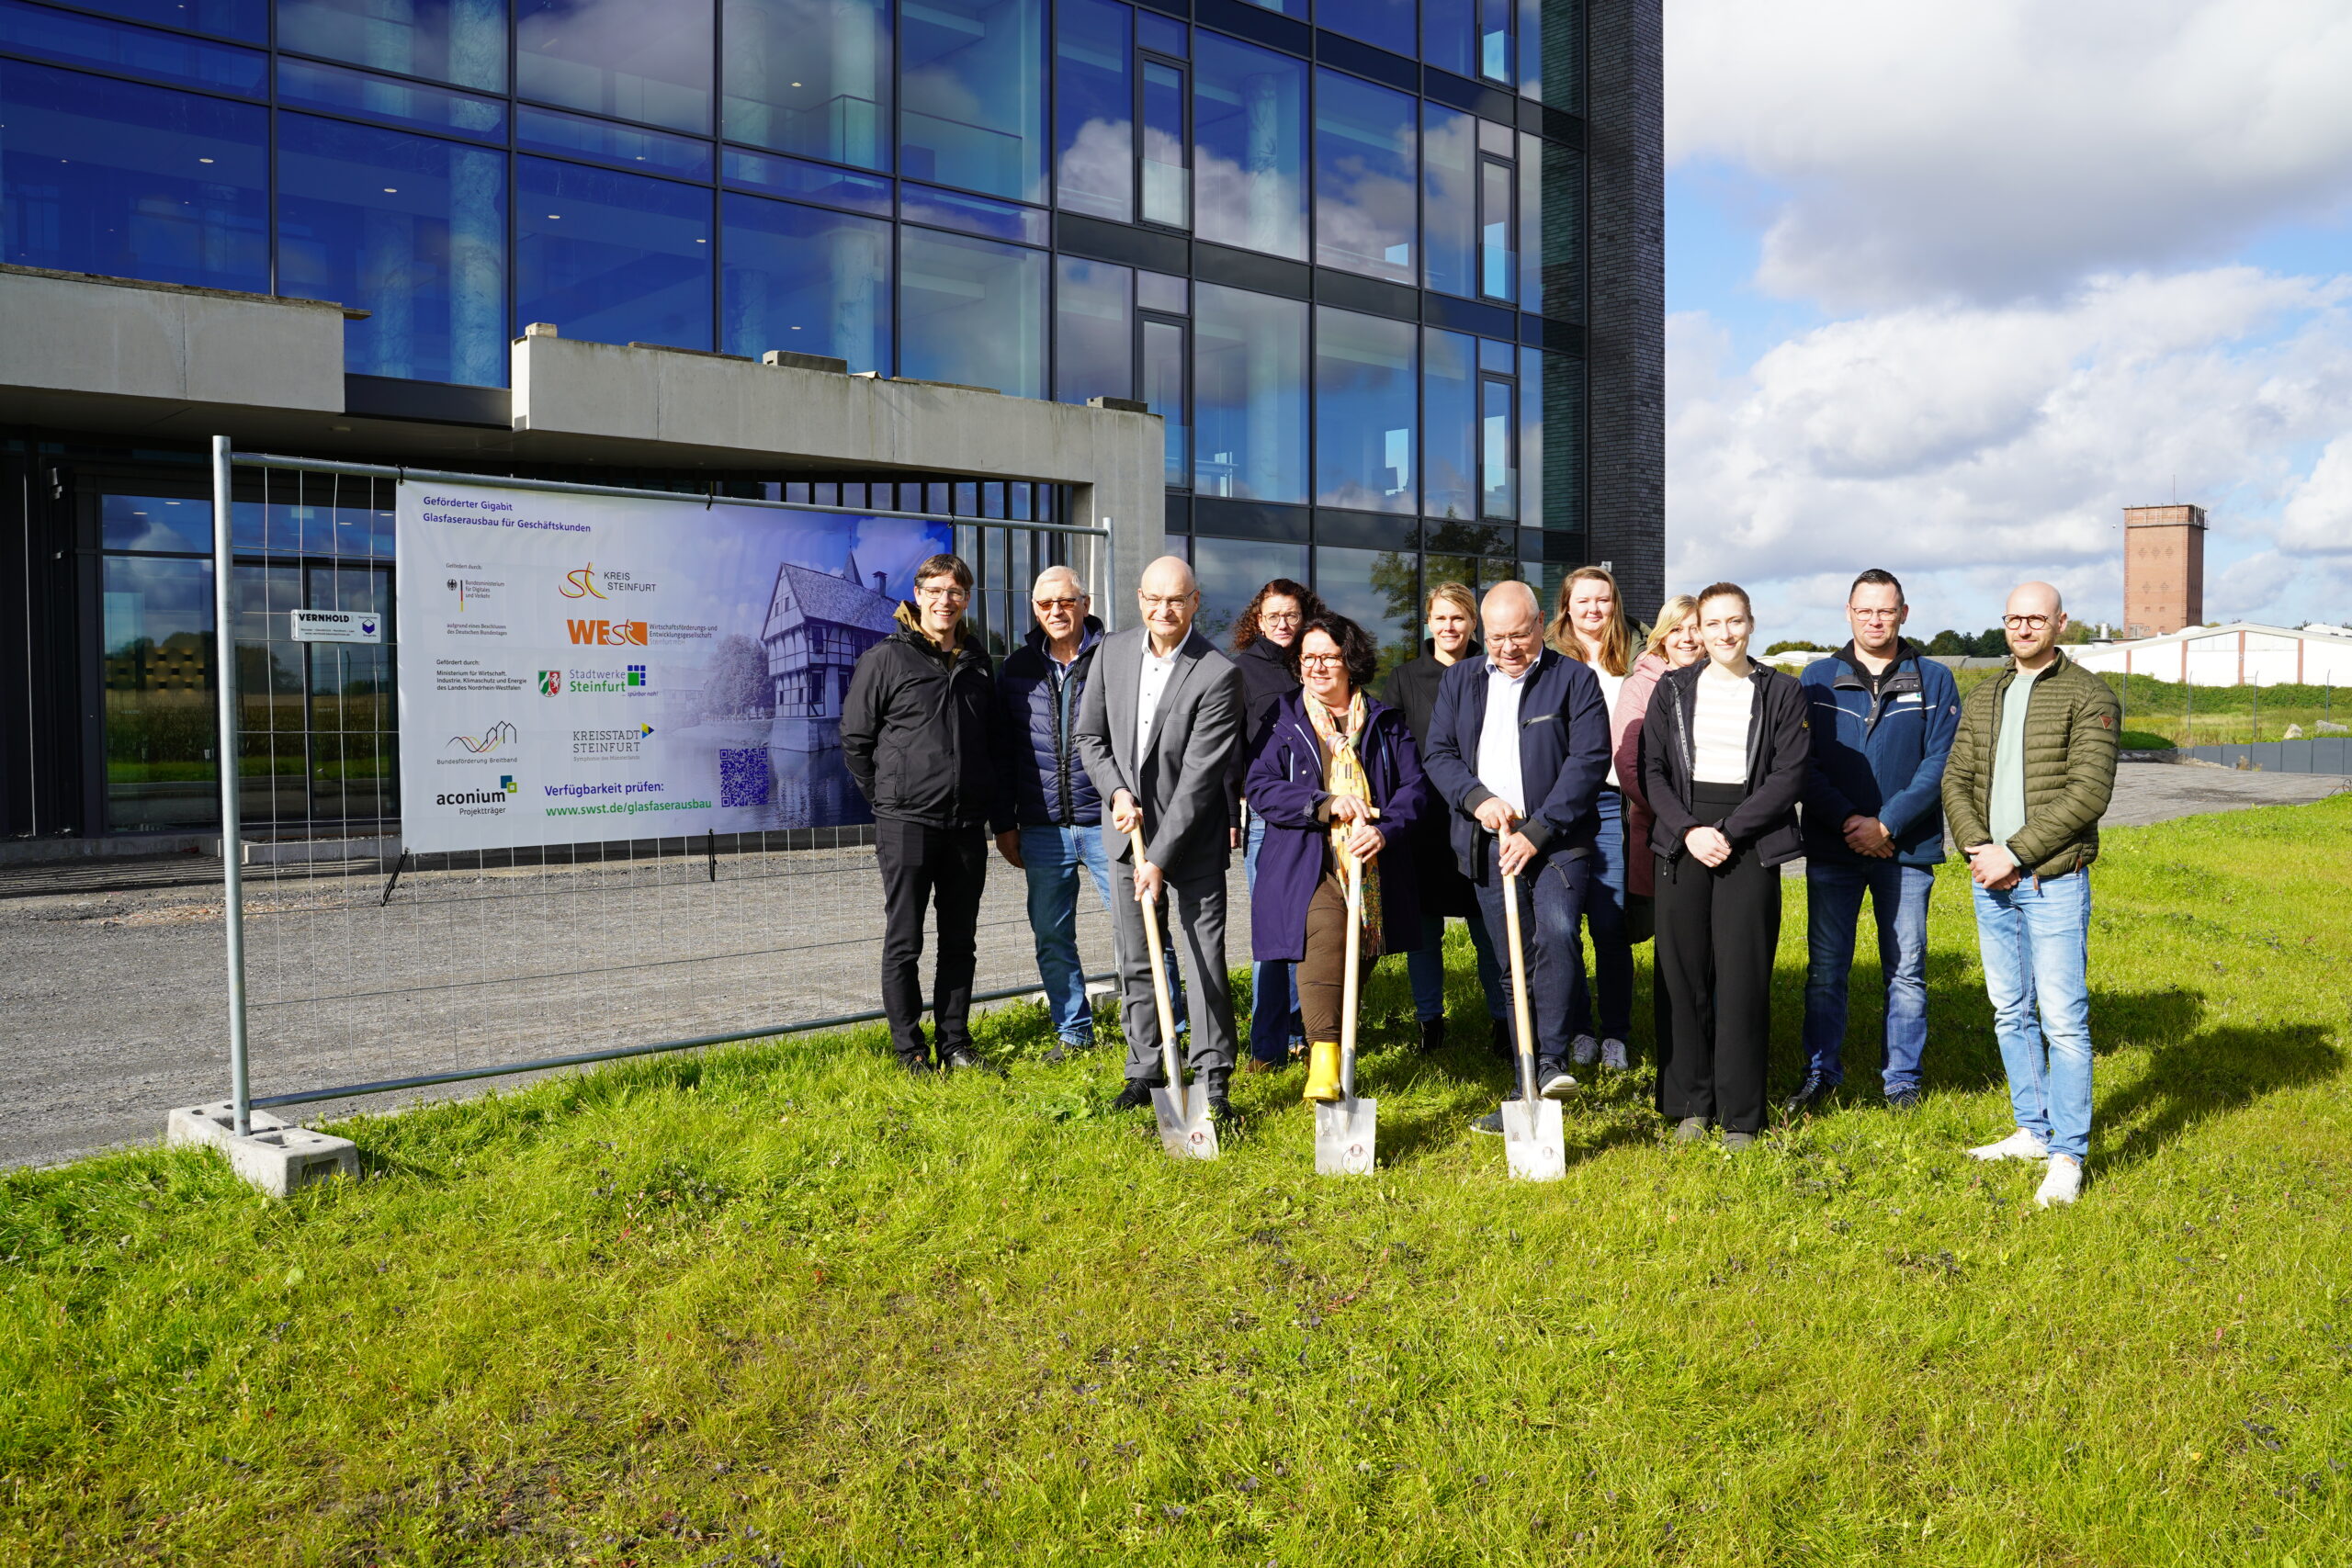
x=1723, y=755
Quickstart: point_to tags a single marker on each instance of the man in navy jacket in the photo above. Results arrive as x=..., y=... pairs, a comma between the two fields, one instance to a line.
x=1882, y=717
x=1517, y=749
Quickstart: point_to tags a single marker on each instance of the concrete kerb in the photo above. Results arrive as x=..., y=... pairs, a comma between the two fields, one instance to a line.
x=276, y=1157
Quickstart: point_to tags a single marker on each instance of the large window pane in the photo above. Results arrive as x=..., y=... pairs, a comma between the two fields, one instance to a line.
x=973, y=312
x=1499, y=450
x=812, y=77
x=602, y=141
x=462, y=41
x=1450, y=429
x=1167, y=184
x=1164, y=363
x=646, y=59
x=141, y=51
x=1551, y=53
x=1449, y=200
x=106, y=177
x=1388, y=23
x=611, y=258
x=974, y=110
x=1498, y=274
x=1364, y=412
x=1364, y=177
x=1493, y=39
x=1449, y=35
x=1249, y=146
x=158, y=674
x=1551, y=228
x=1249, y=394
x=1378, y=590
x=409, y=228
x=1093, y=331
x=305, y=84
x=154, y=523
x=1094, y=109
x=807, y=280
x=1230, y=573
x=248, y=20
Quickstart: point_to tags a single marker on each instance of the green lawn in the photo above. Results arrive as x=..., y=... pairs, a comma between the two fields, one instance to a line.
x=778, y=1306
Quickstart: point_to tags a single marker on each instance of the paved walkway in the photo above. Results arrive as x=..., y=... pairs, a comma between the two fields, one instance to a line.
x=111, y=1010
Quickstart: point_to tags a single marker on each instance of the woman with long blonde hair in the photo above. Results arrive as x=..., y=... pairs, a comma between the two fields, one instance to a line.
x=1589, y=625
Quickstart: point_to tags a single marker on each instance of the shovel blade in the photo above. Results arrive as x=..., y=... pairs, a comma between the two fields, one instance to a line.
x=1533, y=1145
x=1343, y=1136
x=1185, y=1129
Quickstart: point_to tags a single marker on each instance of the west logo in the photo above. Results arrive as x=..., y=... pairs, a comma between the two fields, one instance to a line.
x=582, y=584
x=608, y=634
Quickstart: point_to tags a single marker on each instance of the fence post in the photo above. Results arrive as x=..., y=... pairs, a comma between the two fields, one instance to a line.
x=233, y=828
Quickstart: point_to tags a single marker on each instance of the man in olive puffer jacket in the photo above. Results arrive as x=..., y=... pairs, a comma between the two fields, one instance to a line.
x=2031, y=772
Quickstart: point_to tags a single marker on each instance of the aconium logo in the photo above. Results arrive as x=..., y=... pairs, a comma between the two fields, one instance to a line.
x=550, y=683
x=497, y=735
x=506, y=784
x=582, y=584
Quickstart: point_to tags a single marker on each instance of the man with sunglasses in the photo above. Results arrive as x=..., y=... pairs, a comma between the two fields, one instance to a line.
x=2031, y=772
x=1883, y=716
x=915, y=737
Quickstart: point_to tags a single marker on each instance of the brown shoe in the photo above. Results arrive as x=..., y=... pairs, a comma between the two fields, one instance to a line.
x=1251, y=1065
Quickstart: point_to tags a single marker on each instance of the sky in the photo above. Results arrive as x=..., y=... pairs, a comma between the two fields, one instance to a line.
x=1950, y=283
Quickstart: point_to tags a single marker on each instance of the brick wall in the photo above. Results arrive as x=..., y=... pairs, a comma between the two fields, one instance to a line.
x=2163, y=569
x=1627, y=380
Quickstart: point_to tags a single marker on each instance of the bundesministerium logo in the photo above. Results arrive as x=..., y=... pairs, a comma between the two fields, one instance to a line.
x=497, y=735
x=608, y=634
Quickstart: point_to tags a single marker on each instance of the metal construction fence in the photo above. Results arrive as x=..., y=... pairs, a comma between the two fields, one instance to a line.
x=358, y=969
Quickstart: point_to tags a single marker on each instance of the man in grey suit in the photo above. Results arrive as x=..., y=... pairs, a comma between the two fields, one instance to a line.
x=1158, y=729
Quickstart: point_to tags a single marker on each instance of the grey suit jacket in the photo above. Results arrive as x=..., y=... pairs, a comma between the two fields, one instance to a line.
x=1184, y=781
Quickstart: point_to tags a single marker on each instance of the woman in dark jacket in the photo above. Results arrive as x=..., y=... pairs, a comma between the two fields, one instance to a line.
x=1723, y=755
x=1444, y=891
x=1336, y=780
x=1262, y=637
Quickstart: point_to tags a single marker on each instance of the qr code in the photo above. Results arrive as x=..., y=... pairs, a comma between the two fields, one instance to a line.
x=742, y=775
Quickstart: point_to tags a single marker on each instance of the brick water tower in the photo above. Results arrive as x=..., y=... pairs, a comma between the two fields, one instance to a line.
x=2163, y=569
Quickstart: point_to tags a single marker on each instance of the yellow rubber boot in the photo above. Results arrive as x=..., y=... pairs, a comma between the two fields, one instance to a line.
x=1322, y=1071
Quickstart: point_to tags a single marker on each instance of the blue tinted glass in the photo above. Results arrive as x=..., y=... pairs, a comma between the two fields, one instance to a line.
x=1365, y=397
x=811, y=76
x=1497, y=357
x=809, y=179
x=86, y=40
x=1388, y=23
x=1364, y=177
x=1551, y=63
x=462, y=41
x=98, y=175
x=1493, y=39
x=973, y=110
x=1249, y=146
x=974, y=215
x=1450, y=36
x=1281, y=8
x=972, y=311
x=1376, y=589
x=1095, y=88
x=1449, y=200
x=1167, y=187
x=641, y=152
x=790, y=177
x=1093, y=331
x=644, y=59
x=1498, y=450
x=1164, y=35
x=1450, y=425
x=1163, y=291
x=807, y=280
x=248, y=20
x=1164, y=360
x=611, y=258
x=1249, y=394
x=154, y=522
x=1551, y=437
x=1232, y=570
x=157, y=658
x=1498, y=260
x=412, y=228
x=1551, y=264
x=302, y=84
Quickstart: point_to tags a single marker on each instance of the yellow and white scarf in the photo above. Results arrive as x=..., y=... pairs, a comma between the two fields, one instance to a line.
x=1343, y=775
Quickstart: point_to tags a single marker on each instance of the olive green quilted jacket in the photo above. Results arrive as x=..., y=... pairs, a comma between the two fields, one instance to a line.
x=2070, y=742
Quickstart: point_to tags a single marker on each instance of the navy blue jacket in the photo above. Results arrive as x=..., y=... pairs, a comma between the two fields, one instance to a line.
x=1563, y=757
x=1882, y=756
x=1036, y=713
x=1285, y=787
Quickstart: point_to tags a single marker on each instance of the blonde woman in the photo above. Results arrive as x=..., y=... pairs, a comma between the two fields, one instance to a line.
x=1588, y=626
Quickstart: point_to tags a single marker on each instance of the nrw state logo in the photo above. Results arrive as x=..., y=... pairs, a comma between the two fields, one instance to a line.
x=497, y=735
x=550, y=683
x=608, y=634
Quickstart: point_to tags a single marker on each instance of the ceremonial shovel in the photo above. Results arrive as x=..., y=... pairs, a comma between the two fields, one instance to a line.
x=1343, y=1127
x=1185, y=1131
x=1534, y=1147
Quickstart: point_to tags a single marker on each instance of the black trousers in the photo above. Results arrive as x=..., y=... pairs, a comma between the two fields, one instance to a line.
x=923, y=867
x=1717, y=930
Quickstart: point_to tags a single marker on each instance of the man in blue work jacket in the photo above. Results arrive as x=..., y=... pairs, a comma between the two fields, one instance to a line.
x=1883, y=716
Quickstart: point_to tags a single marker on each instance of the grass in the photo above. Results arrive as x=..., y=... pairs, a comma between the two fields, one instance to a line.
x=778, y=1306
x=2163, y=715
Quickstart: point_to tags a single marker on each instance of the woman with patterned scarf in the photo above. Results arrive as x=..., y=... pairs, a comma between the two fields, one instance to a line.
x=1336, y=779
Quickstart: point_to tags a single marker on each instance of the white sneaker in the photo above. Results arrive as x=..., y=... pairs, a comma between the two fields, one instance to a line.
x=2019, y=1145
x=2063, y=1184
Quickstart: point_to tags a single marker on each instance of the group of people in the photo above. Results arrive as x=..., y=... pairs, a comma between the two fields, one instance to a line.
x=1614, y=786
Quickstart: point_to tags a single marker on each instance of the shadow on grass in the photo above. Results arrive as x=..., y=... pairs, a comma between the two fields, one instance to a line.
x=2192, y=1080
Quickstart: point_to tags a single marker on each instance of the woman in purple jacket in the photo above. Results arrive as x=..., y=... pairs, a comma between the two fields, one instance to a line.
x=1336, y=777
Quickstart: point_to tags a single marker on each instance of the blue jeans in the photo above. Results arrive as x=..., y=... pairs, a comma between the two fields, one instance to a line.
x=1604, y=917
x=1551, y=906
x=1898, y=895
x=1272, y=1030
x=1050, y=859
x=1424, y=968
x=2035, y=941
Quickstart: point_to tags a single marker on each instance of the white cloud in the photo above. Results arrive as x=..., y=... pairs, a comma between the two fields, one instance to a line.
x=1992, y=148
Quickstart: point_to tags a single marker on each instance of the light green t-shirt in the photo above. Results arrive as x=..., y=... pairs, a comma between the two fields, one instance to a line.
x=2007, y=804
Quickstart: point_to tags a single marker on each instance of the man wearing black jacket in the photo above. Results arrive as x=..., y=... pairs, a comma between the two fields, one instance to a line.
x=915, y=737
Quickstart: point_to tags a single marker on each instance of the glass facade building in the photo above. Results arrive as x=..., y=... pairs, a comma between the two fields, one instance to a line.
x=1338, y=245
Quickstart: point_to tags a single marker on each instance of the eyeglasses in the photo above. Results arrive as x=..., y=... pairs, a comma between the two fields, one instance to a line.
x=1048, y=604
x=1320, y=660
x=1874, y=614
x=1152, y=601
x=947, y=596
x=2025, y=622
x=1280, y=617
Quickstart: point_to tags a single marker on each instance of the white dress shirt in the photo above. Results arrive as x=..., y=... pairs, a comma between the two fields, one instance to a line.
x=1498, y=737
x=1157, y=669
